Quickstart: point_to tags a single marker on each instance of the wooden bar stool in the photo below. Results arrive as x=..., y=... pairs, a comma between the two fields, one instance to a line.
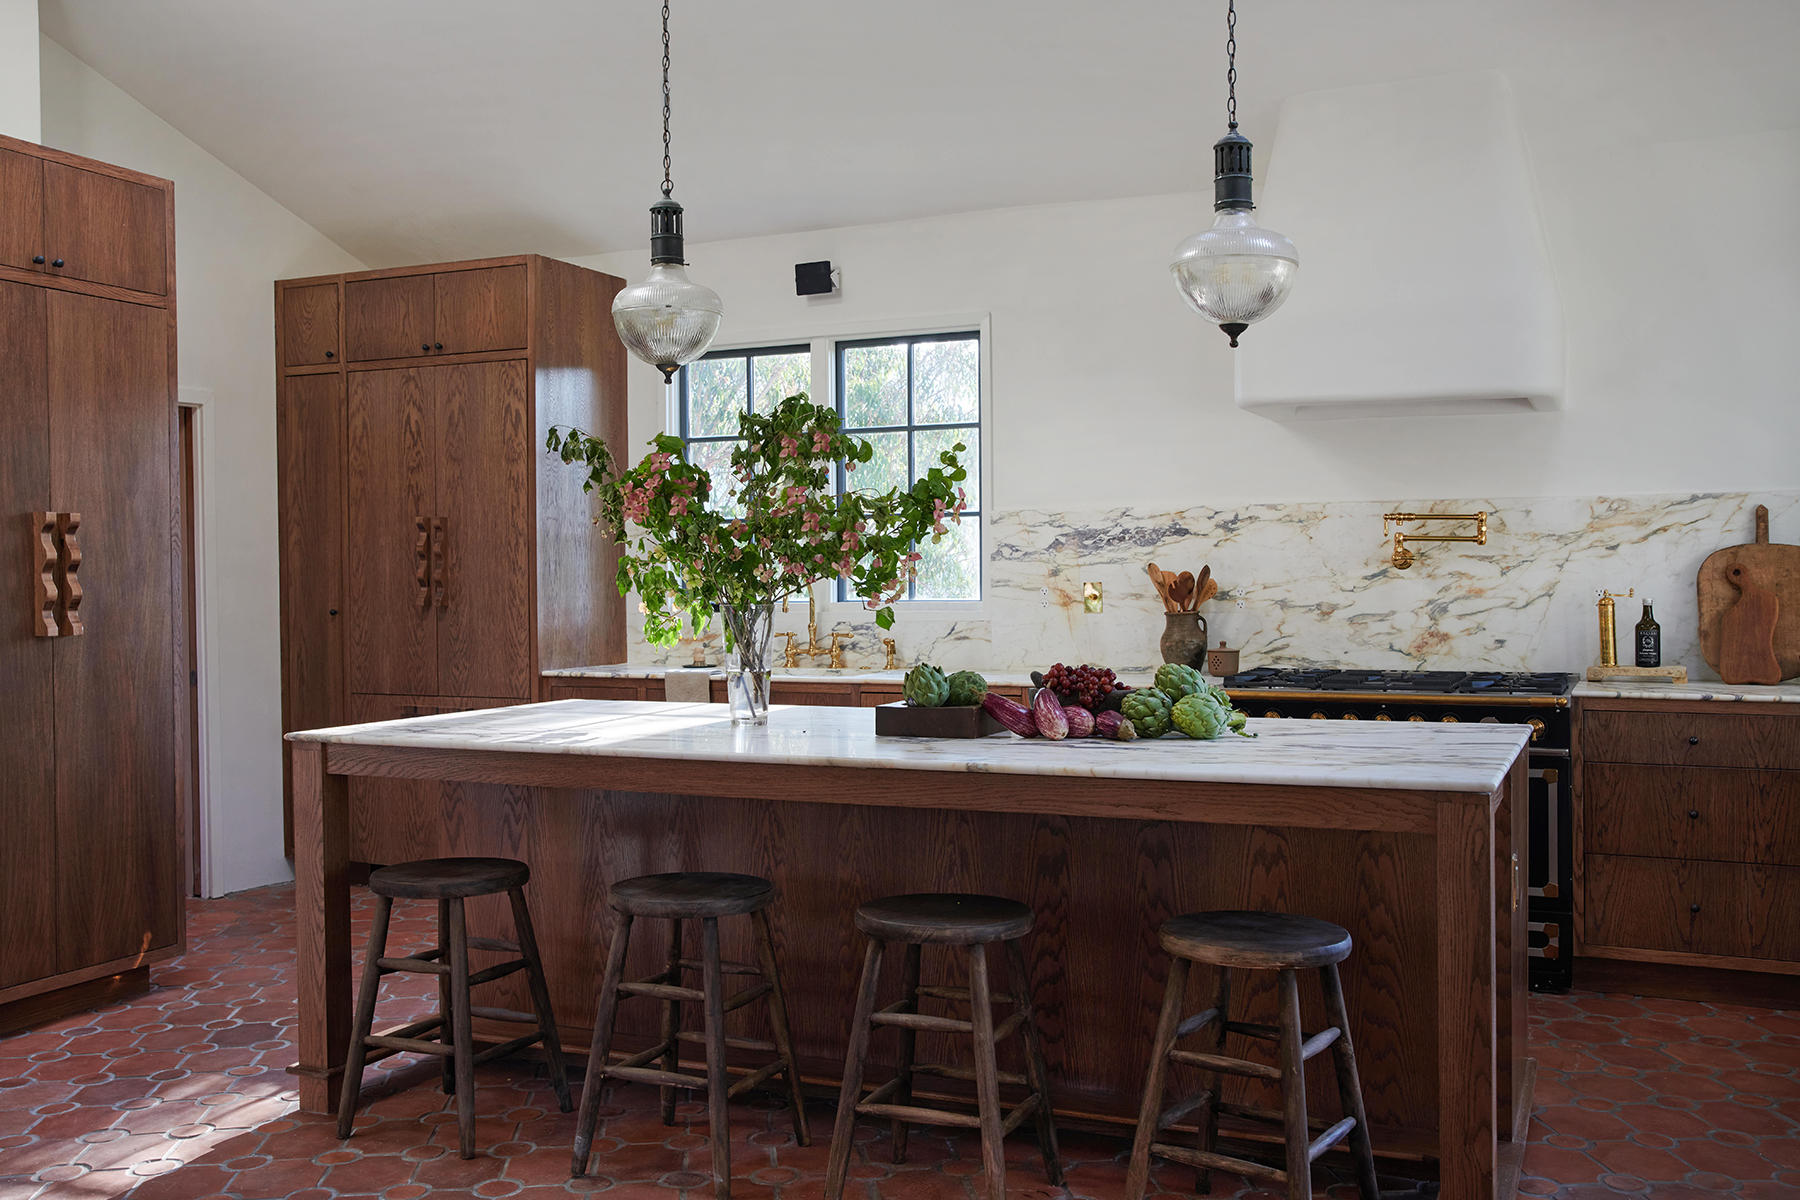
x=703, y=896
x=946, y=920
x=1257, y=941
x=450, y=881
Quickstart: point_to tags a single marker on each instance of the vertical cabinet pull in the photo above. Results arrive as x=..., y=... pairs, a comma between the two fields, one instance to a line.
x=440, y=565
x=422, y=561
x=68, y=560
x=45, y=588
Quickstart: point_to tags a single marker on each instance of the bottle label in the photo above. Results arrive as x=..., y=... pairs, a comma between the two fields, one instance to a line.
x=1649, y=649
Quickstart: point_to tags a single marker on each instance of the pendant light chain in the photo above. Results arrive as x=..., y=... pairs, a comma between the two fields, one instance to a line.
x=668, y=185
x=1230, y=59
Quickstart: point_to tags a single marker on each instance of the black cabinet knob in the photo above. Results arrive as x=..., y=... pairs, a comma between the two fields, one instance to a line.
x=334, y=612
x=438, y=346
x=56, y=262
x=1693, y=741
x=331, y=354
x=425, y=346
x=1693, y=908
x=38, y=259
x=1693, y=814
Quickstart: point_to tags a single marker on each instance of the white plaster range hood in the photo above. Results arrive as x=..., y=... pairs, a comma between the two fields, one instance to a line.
x=1424, y=285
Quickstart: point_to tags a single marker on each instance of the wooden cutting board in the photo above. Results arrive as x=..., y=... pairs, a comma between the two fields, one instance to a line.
x=1773, y=566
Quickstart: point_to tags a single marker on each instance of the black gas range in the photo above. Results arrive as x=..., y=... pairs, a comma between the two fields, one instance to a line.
x=1537, y=699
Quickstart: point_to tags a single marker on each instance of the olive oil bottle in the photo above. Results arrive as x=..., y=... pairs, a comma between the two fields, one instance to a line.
x=1649, y=639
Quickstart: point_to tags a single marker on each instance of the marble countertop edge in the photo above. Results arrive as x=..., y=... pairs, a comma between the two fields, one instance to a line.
x=1724, y=693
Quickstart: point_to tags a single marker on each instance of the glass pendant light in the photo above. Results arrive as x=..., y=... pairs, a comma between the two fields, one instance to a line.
x=1237, y=272
x=668, y=319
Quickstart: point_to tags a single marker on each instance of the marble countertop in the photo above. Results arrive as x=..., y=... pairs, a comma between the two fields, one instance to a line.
x=1619, y=689
x=1353, y=754
x=808, y=674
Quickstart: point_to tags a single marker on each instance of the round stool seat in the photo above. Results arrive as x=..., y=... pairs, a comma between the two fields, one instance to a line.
x=448, y=878
x=696, y=894
x=944, y=919
x=1263, y=941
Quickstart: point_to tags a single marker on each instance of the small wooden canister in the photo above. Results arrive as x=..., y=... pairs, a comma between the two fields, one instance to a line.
x=1221, y=662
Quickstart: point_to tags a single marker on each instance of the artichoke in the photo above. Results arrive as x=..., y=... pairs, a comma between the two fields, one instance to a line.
x=1148, y=711
x=966, y=687
x=1175, y=681
x=1200, y=717
x=925, y=686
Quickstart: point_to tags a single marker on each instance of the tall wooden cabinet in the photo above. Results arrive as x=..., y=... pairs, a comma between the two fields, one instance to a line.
x=91, y=692
x=434, y=557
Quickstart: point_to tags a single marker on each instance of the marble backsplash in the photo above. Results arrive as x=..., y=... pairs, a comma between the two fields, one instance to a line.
x=1312, y=584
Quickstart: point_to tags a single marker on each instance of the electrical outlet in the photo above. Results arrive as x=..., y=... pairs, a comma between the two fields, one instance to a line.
x=1044, y=597
x=1240, y=603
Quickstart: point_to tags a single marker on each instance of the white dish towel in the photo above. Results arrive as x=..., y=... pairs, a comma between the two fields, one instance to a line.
x=688, y=685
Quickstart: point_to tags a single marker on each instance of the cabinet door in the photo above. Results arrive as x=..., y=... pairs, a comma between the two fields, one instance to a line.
x=106, y=230
x=309, y=325
x=387, y=318
x=484, y=480
x=481, y=310
x=21, y=210
x=27, y=706
x=112, y=454
x=309, y=464
x=392, y=486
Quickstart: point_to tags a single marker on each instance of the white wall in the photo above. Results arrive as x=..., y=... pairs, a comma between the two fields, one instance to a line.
x=19, y=100
x=232, y=242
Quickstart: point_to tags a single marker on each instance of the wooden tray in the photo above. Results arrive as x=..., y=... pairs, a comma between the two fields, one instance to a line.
x=906, y=720
x=1776, y=567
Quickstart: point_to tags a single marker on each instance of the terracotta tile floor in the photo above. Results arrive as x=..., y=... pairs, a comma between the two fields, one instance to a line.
x=181, y=1093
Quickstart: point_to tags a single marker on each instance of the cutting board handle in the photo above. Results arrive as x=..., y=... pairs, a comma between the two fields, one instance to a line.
x=1762, y=524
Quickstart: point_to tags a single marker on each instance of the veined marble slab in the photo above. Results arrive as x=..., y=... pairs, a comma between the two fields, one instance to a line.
x=1352, y=754
x=802, y=674
x=1776, y=693
x=1318, y=588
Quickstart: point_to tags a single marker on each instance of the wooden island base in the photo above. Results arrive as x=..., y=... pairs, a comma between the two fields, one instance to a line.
x=1434, y=985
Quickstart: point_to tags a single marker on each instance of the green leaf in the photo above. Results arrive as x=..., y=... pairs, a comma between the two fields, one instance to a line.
x=885, y=618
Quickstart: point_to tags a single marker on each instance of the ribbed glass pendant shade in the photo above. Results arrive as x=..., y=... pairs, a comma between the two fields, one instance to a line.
x=1237, y=272
x=668, y=319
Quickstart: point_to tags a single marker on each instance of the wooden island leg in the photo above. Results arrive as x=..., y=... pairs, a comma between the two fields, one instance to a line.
x=321, y=925
x=1465, y=968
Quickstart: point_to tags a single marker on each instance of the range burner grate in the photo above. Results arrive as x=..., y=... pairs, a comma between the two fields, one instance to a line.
x=1414, y=683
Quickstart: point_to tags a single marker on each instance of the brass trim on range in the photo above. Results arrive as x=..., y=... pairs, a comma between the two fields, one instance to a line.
x=1403, y=699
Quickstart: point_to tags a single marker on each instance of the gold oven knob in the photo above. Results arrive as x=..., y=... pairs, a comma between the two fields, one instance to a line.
x=1448, y=718
x=1383, y=717
x=1415, y=717
x=1318, y=716
x=1537, y=727
x=1349, y=717
x=1273, y=714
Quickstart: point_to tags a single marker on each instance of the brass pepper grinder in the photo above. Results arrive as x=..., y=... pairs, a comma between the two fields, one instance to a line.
x=1609, y=635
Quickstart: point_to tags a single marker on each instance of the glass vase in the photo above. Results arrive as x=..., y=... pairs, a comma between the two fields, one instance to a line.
x=747, y=661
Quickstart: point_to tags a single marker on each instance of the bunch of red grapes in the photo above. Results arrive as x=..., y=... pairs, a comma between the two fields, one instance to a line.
x=1083, y=685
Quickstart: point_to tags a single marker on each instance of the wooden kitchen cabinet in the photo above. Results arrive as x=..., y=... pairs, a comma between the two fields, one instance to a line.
x=462, y=555
x=94, y=693
x=1688, y=832
x=473, y=310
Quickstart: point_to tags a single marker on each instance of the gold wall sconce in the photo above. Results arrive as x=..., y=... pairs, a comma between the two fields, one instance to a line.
x=1404, y=558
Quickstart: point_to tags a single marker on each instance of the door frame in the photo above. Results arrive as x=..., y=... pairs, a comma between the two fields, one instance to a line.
x=196, y=399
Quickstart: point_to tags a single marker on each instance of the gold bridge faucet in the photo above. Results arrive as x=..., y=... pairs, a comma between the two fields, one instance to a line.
x=812, y=649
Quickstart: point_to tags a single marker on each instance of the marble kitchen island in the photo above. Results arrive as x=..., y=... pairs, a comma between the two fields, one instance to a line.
x=1403, y=833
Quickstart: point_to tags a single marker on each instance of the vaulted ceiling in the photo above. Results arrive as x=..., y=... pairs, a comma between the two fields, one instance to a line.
x=419, y=130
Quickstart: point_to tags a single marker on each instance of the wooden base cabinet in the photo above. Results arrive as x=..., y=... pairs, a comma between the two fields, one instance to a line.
x=430, y=546
x=92, y=699
x=1689, y=836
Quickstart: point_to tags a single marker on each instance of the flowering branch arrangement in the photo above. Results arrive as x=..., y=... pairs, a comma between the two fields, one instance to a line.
x=682, y=551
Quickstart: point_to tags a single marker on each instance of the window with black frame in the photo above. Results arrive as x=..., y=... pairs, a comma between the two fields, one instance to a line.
x=913, y=398
x=719, y=388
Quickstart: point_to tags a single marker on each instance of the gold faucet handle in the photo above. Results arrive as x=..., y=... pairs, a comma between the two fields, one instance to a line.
x=891, y=663
x=837, y=651
x=791, y=656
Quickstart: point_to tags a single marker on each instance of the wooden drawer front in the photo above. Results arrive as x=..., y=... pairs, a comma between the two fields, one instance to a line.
x=106, y=230
x=309, y=325
x=1650, y=904
x=1681, y=739
x=481, y=310
x=875, y=697
x=1692, y=812
x=388, y=318
x=624, y=689
x=827, y=695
